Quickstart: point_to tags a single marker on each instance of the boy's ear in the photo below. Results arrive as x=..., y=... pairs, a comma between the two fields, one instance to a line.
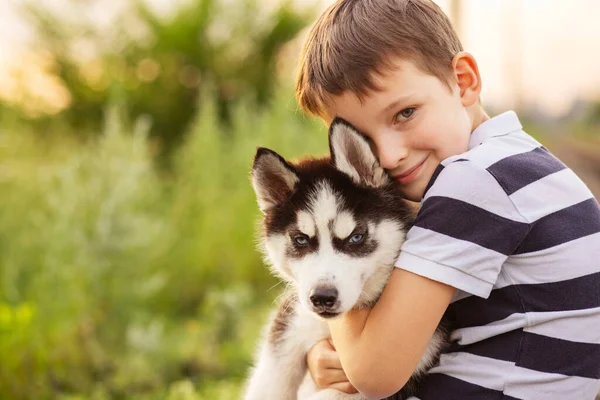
x=273, y=178
x=467, y=77
x=352, y=155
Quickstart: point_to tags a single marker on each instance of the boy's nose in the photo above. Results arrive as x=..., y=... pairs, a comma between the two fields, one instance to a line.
x=391, y=154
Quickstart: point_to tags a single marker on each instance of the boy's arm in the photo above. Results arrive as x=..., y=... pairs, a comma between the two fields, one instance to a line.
x=380, y=348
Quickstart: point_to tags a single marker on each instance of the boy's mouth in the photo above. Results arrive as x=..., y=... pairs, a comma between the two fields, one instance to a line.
x=410, y=174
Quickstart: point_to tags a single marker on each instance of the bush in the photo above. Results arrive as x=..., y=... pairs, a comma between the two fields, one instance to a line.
x=159, y=64
x=119, y=280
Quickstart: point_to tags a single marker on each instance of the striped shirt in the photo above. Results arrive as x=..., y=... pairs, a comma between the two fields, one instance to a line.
x=518, y=234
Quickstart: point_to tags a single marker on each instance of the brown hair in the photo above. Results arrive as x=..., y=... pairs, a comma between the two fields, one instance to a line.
x=353, y=39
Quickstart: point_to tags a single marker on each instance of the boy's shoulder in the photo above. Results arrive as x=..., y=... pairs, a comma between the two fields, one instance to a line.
x=499, y=139
x=505, y=165
x=503, y=149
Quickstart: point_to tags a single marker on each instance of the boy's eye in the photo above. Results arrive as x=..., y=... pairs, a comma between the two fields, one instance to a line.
x=404, y=114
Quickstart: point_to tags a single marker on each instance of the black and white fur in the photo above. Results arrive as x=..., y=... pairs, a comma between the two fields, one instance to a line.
x=332, y=229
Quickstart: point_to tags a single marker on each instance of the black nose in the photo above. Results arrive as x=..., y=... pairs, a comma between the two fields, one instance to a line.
x=323, y=297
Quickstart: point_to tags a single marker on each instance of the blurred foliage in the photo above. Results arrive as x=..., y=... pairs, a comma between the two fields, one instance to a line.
x=158, y=65
x=593, y=116
x=118, y=280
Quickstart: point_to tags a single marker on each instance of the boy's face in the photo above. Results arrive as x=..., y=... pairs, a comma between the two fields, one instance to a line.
x=413, y=124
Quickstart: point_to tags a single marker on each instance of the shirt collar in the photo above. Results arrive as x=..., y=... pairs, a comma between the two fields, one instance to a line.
x=499, y=125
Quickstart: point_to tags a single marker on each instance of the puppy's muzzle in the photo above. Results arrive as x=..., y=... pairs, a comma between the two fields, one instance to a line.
x=324, y=300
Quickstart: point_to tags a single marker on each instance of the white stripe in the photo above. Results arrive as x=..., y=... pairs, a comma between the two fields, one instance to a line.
x=467, y=257
x=482, y=371
x=527, y=384
x=497, y=148
x=474, y=185
x=465, y=336
x=569, y=260
x=550, y=194
x=557, y=264
x=443, y=273
x=515, y=381
x=561, y=324
x=556, y=324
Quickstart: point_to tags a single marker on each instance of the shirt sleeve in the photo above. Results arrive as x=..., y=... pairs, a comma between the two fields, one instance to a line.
x=466, y=228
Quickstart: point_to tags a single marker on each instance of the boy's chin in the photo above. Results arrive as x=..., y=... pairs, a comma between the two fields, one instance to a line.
x=415, y=198
x=413, y=194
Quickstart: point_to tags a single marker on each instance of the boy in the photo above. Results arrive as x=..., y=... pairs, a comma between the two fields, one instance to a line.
x=507, y=238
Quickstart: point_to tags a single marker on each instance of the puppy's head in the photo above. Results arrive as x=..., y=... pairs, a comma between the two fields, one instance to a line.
x=332, y=226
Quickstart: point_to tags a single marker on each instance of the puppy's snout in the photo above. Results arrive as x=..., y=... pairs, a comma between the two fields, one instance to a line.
x=323, y=297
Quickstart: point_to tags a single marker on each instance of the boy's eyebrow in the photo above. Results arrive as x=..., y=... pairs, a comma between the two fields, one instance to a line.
x=398, y=101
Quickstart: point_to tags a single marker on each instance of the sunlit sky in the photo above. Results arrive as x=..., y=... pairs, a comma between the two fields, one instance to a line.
x=538, y=52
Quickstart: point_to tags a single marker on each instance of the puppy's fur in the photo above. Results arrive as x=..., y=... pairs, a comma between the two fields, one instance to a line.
x=332, y=229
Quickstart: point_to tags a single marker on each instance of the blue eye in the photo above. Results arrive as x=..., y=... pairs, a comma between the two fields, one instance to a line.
x=301, y=240
x=404, y=114
x=356, y=238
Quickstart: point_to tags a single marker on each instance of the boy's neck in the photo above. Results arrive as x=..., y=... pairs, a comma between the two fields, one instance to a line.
x=479, y=116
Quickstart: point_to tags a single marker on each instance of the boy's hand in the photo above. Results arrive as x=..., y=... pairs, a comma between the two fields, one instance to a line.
x=326, y=369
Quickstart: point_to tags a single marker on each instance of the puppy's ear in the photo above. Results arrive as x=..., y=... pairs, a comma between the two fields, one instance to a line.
x=352, y=155
x=273, y=179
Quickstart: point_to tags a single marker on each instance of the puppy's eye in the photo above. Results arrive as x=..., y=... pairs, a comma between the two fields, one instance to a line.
x=356, y=238
x=301, y=240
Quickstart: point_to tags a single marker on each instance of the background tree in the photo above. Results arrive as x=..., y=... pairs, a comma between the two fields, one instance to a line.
x=158, y=65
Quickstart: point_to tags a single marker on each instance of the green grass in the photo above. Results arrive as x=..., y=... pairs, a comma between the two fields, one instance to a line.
x=122, y=280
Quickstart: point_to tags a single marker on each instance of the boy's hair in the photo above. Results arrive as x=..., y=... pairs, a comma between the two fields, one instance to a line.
x=355, y=39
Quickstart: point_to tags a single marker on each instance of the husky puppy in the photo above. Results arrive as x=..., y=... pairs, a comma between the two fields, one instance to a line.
x=332, y=229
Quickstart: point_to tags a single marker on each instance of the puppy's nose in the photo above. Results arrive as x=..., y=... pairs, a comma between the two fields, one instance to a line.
x=323, y=297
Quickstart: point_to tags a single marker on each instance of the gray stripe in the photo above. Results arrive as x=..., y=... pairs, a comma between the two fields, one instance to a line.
x=558, y=324
x=569, y=260
x=445, y=387
x=465, y=221
x=563, y=226
x=550, y=194
x=539, y=353
x=515, y=381
x=544, y=297
x=519, y=170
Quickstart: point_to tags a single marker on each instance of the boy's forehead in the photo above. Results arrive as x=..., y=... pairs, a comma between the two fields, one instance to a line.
x=395, y=69
x=399, y=83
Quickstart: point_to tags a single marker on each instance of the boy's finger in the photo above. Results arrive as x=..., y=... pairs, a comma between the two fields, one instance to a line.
x=330, y=361
x=328, y=358
x=330, y=340
x=335, y=376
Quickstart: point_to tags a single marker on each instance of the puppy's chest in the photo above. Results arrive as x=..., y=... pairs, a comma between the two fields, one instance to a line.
x=306, y=329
